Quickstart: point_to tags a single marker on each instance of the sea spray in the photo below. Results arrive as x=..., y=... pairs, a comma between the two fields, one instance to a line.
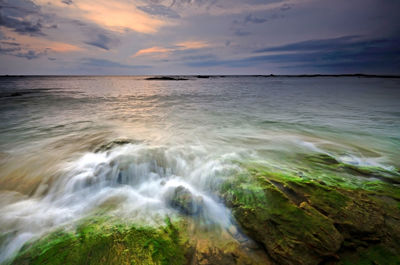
x=134, y=179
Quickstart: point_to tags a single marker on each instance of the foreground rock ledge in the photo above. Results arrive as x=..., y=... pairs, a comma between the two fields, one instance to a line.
x=293, y=219
x=302, y=221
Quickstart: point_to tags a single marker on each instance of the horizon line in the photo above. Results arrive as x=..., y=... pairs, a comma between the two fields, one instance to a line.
x=209, y=75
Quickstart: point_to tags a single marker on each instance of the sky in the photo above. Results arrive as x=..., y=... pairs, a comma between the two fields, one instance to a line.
x=148, y=37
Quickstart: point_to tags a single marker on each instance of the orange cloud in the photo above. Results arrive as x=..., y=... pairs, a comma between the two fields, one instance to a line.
x=152, y=50
x=187, y=45
x=116, y=15
x=39, y=44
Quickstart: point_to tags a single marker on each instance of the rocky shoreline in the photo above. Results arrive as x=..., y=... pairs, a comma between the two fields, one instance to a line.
x=282, y=218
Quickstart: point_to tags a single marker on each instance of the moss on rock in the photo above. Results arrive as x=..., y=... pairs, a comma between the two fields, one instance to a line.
x=101, y=242
x=306, y=221
x=104, y=240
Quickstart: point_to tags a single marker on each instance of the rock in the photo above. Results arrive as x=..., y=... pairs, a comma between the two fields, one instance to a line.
x=166, y=78
x=183, y=200
x=110, y=145
x=322, y=159
x=233, y=230
x=309, y=222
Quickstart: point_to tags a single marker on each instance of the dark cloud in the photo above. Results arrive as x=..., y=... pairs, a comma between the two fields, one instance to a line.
x=103, y=41
x=207, y=3
x=286, y=7
x=255, y=20
x=159, y=10
x=15, y=49
x=312, y=45
x=241, y=33
x=10, y=43
x=348, y=52
x=67, y=2
x=31, y=54
x=103, y=63
x=23, y=17
x=4, y=49
x=241, y=27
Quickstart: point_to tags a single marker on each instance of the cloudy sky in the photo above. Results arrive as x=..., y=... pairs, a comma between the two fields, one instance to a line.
x=199, y=36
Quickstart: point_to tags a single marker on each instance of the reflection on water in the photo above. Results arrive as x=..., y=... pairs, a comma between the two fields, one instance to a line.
x=74, y=145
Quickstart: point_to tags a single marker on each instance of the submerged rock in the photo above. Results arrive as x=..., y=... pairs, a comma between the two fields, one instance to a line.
x=110, y=145
x=183, y=200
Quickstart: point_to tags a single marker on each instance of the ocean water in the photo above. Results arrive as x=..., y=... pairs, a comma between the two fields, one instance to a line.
x=70, y=146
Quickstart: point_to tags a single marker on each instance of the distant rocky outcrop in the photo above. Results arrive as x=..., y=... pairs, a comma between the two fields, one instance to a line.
x=167, y=78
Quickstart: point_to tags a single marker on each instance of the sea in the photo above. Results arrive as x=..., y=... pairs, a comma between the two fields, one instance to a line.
x=71, y=145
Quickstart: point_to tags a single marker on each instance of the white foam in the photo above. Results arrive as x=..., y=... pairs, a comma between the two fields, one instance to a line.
x=134, y=178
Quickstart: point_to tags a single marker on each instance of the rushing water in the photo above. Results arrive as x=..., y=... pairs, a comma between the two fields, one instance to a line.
x=62, y=157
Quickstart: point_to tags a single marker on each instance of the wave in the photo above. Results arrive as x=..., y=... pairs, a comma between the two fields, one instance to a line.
x=131, y=180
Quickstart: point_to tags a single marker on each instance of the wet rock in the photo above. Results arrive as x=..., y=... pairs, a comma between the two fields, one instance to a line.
x=213, y=256
x=110, y=145
x=16, y=94
x=184, y=201
x=307, y=222
x=322, y=159
x=233, y=231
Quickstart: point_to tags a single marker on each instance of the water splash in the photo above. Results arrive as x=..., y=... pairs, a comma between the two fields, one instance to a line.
x=133, y=179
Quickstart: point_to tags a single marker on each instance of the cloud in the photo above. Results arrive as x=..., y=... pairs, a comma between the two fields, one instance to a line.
x=241, y=33
x=255, y=20
x=181, y=46
x=189, y=45
x=15, y=49
x=200, y=57
x=103, y=63
x=31, y=54
x=114, y=15
x=313, y=45
x=242, y=27
x=103, y=41
x=348, y=52
x=152, y=50
x=31, y=47
x=21, y=16
x=159, y=10
x=67, y=2
x=231, y=7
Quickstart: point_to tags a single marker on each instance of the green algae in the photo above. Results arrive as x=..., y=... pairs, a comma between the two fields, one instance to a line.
x=288, y=231
x=376, y=255
x=322, y=215
x=308, y=220
x=98, y=241
x=101, y=239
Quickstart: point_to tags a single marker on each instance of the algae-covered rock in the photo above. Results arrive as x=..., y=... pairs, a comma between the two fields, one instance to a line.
x=183, y=200
x=291, y=234
x=102, y=242
x=302, y=221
